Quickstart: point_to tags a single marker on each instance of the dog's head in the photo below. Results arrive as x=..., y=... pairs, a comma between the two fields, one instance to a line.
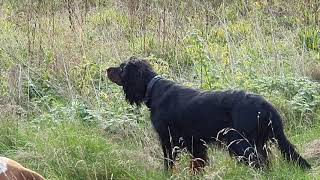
x=134, y=76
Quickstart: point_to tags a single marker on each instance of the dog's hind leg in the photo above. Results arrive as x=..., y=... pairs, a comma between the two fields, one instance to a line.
x=263, y=152
x=198, y=150
x=242, y=149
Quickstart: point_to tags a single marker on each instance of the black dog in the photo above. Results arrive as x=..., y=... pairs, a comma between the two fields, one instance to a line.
x=189, y=118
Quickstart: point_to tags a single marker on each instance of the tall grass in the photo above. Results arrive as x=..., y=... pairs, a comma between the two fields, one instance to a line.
x=69, y=150
x=60, y=116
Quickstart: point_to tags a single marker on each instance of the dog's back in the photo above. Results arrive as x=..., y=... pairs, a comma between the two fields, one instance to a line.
x=11, y=170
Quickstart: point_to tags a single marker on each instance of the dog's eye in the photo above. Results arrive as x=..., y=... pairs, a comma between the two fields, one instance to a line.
x=122, y=70
x=122, y=67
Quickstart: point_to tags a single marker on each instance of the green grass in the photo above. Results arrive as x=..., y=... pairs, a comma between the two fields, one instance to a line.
x=60, y=116
x=69, y=150
x=73, y=150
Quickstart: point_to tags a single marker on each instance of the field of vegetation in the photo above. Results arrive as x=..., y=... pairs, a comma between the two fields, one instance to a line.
x=60, y=115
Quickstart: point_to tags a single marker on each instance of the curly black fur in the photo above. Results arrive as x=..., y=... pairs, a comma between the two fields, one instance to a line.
x=134, y=76
x=244, y=122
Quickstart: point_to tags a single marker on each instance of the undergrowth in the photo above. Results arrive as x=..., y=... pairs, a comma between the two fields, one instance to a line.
x=60, y=116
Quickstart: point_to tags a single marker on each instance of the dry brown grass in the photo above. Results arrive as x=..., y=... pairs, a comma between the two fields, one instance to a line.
x=312, y=150
x=313, y=71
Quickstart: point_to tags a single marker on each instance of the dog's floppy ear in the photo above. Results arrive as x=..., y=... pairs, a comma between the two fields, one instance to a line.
x=134, y=82
x=136, y=76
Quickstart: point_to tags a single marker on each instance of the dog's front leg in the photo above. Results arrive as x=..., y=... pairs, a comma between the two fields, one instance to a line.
x=167, y=154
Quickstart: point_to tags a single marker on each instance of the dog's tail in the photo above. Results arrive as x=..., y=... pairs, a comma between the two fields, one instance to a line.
x=286, y=148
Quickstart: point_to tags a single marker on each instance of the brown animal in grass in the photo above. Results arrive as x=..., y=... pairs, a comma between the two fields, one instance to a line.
x=11, y=170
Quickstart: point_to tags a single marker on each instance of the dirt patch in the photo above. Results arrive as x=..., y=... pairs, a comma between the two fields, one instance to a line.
x=312, y=150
